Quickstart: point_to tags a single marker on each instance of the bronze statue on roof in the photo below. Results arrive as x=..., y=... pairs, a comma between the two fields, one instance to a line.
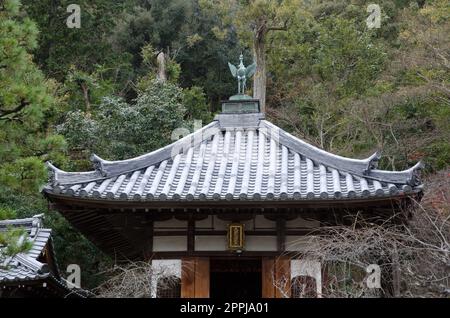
x=242, y=73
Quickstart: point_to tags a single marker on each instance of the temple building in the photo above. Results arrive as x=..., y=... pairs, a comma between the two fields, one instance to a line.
x=224, y=207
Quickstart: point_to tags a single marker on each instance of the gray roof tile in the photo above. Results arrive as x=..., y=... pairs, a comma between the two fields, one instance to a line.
x=24, y=267
x=225, y=161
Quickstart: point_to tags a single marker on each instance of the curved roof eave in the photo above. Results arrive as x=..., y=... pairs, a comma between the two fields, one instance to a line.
x=358, y=168
x=105, y=168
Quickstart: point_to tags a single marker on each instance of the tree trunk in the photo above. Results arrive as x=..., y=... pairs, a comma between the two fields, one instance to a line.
x=259, y=79
x=161, y=60
x=87, y=102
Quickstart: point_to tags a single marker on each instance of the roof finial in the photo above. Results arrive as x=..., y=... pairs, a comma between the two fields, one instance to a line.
x=242, y=73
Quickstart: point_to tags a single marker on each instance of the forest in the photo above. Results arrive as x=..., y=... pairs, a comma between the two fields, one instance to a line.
x=323, y=75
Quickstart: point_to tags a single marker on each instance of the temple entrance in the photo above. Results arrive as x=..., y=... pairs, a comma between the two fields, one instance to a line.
x=235, y=278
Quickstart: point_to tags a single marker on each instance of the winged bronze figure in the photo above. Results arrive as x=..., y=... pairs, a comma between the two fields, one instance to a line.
x=242, y=73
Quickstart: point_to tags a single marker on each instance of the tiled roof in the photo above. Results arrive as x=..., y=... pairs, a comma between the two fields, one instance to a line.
x=25, y=267
x=236, y=157
x=20, y=269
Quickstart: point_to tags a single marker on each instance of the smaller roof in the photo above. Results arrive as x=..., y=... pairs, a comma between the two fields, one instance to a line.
x=28, y=267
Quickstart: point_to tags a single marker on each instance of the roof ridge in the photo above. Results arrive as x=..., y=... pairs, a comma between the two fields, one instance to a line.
x=366, y=168
x=34, y=221
x=355, y=166
x=107, y=169
x=58, y=176
x=31, y=263
x=409, y=176
x=113, y=168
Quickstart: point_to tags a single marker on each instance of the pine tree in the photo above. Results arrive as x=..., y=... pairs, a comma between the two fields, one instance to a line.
x=26, y=104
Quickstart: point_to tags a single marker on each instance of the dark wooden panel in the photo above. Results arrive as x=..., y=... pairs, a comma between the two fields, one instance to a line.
x=268, y=289
x=202, y=277
x=195, y=277
x=188, y=277
x=283, y=278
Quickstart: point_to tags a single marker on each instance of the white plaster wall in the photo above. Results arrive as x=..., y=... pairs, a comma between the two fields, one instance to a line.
x=210, y=243
x=260, y=243
x=220, y=225
x=307, y=267
x=206, y=223
x=169, y=243
x=163, y=268
x=172, y=224
x=299, y=243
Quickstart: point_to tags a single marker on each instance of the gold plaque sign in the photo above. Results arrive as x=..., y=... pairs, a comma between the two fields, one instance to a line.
x=236, y=236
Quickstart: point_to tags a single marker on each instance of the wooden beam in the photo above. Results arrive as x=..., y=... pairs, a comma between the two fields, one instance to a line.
x=217, y=206
x=296, y=232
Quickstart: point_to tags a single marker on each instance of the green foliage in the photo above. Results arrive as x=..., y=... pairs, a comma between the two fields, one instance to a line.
x=119, y=130
x=183, y=31
x=352, y=90
x=346, y=56
x=438, y=154
x=149, y=63
x=194, y=100
x=86, y=90
x=7, y=213
x=26, y=174
x=161, y=24
x=173, y=70
x=13, y=242
x=80, y=130
x=26, y=100
x=22, y=92
x=61, y=47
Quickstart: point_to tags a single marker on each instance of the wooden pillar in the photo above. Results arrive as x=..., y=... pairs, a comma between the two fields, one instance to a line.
x=283, y=276
x=191, y=236
x=268, y=289
x=195, y=277
x=281, y=234
x=188, y=278
x=276, y=278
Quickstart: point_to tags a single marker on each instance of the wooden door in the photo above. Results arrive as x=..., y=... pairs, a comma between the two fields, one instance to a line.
x=195, y=277
x=276, y=278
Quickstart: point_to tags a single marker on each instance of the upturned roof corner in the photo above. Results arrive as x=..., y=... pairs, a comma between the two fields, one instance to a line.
x=235, y=157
